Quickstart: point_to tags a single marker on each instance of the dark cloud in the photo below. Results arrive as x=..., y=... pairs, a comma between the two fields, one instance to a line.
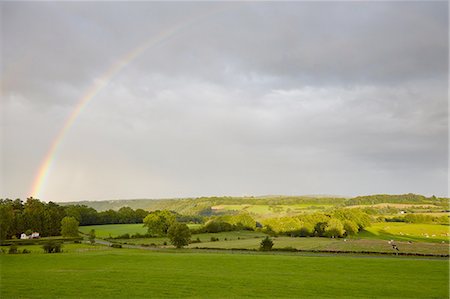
x=243, y=98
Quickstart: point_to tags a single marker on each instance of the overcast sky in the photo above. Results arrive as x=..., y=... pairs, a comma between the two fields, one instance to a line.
x=345, y=98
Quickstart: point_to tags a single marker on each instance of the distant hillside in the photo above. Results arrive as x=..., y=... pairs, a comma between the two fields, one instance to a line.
x=202, y=205
x=409, y=198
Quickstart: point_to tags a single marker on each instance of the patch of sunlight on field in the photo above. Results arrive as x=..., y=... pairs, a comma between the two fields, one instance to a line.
x=424, y=232
x=114, y=230
x=360, y=245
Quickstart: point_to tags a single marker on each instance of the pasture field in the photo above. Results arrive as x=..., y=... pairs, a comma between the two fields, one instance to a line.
x=206, y=237
x=330, y=244
x=133, y=273
x=408, y=237
x=66, y=248
x=114, y=230
x=407, y=232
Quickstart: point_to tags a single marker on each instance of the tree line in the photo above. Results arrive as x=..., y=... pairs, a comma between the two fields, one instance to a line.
x=17, y=217
x=336, y=224
x=409, y=198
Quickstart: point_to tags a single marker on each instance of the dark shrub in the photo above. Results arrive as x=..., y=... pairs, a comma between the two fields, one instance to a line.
x=26, y=251
x=266, y=244
x=52, y=247
x=124, y=236
x=13, y=249
x=116, y=245
x=215, y=226
x=395, y=219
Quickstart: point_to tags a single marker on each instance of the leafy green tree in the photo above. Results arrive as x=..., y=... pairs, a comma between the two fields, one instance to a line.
x=243, y=221
x=69, y=227
x=266, y=244
x=52, y=247
x=53, y=214
x=108, y=217
x=140, y=215
x=92, y=236
x=334, y=228
x=418, y=218
x=319, y=228
x=217, y=225
x=284, y=224
x=350, y=227
x=179, y=234
x=84, y=214
x=34, y=214
x=306, y=230
x=356, y=215
x=158, y=222
x=126, y=215
x=6, y=220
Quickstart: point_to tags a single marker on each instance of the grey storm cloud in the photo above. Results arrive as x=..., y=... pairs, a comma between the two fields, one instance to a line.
x=243, y=98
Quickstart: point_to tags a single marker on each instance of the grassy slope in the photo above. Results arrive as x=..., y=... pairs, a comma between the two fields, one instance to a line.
x=135, y=273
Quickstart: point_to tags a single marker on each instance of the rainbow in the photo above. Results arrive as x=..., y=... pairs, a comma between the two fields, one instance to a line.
x=40, y=179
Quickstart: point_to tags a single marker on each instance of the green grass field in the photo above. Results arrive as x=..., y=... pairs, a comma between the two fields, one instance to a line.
x=114, y=230
x=66, y=248
x=330, y=244
x=206, y=237
x=132, y=273
x=407, y=232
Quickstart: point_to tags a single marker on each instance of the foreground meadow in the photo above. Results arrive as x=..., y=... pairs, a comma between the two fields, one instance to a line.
x=131, y=273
